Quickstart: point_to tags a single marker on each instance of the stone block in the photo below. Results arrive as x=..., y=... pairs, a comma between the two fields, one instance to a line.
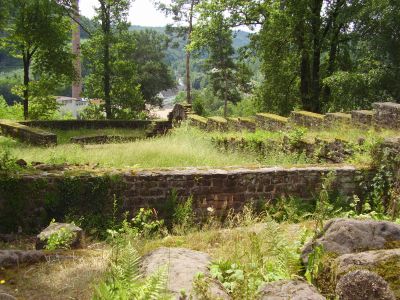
x=337, y=119
x=198, y=121
x=271, y=122
x=27, y=134
x=362, y=118
x=306, y=119
x=387, y=115
x=217, y=124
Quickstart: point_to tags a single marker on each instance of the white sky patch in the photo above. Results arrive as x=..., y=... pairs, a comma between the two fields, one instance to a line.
x=142, y=12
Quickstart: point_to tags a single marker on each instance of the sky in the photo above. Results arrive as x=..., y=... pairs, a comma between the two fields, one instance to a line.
x=142, y=12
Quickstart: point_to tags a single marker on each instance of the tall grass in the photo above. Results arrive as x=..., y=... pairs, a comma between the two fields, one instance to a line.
x=184, y=147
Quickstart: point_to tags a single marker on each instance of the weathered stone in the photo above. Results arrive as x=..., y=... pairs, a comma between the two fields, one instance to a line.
x=217, y=123
x=387, y=115
x=27, y=134
x=306, y=119
x=198, y=121
x=337, y=119
x=76, y=243
x=14, y=258
x=180, y=112
x=271, y=122
x=289, y=289
x=385, y=263
x=103, y=139
x=342, y=236
x=22, y=163
x=363, y=285
x=5, y=296
x=240, y=124
x=183, y=265
x=362, y=118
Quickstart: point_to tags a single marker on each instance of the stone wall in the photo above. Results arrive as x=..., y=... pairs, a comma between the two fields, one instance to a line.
x=159, y=125
x=217, y=123
x=362, y=118
x=306, y=119
x=271, y=122
x=26, y=134
x=240, y=124
x=31, y=201
x=180, y=112
x=198, y=121
x=387, y=115
x=337, y=119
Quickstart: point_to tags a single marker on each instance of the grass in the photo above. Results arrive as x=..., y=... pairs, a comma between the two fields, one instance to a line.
x=185, y=147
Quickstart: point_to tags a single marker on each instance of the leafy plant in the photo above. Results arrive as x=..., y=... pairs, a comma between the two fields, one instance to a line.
x=314, y=264
x=61, y=239
x=124, y=281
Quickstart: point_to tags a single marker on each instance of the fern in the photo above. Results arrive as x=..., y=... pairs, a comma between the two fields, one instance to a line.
x=124, y=281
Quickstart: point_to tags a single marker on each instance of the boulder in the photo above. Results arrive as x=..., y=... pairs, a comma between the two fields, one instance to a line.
x=289, y=289
x=363, y=285
x=342, y=236
x=183, y=265
x=5, y=296
x=384, y=263
x=76, y=242
x=14, y=258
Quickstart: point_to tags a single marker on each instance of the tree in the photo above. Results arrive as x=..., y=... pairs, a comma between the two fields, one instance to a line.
x=227, y=77
x=39, y=34
x=154, y=75
x=121, y=81
x=183, y=13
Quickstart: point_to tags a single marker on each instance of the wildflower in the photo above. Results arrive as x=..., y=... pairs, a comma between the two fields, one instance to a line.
x=2, y=281
x=210, y=209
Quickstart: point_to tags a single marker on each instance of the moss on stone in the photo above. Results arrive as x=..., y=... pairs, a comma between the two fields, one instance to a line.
x=218, y=119
x=273, y=117
x=308, y=114
x=197, y=118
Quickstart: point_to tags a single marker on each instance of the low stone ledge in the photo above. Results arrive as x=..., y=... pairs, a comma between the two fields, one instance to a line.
x=387, y=115
x=102, y=139
x=198, y=121
x=337, y=119
x=27, y=134
x=362, y=118
x=240, y=124
x=306, y=119
x=271, y=122
x=217, y=124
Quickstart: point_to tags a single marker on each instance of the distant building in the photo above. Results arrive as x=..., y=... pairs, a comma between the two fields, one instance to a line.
x=71, y=106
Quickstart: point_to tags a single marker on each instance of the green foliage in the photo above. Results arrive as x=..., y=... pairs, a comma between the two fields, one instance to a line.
x=7, y=162
x=13, y=112
x=314, y=264
x=290, y=210
x=146, y=221
x=38, y=32
x=60, y=239
x=124, y=281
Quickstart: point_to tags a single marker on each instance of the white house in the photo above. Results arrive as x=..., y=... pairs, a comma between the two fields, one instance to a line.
x=71, y=105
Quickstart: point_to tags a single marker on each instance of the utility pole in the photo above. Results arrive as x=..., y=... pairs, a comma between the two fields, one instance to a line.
x=76, y=50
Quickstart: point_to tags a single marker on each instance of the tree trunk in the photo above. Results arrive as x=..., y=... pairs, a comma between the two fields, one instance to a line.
x=304, y=66
x=26, y=61
x=226, y=95
x=316, y=59
x=190, y=29
x=106, y=27
x=331, y=62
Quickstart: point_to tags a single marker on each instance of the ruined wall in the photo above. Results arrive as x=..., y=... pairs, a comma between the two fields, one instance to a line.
x=26, y=134
x=31, y=201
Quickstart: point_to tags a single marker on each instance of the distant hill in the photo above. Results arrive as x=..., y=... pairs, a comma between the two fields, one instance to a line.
x=241, y=38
